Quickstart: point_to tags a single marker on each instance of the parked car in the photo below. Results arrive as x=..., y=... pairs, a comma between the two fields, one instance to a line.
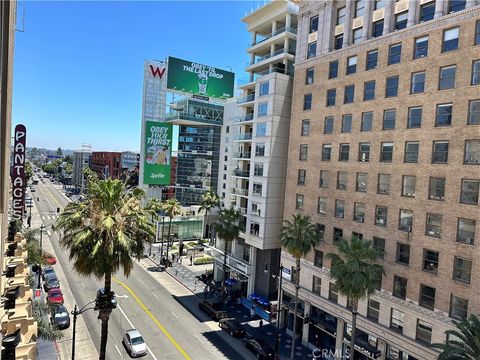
x=213, y=309
x=47, y=271
x=51, y=282
x=259, y=347
x=134, y=343
x=60, y=317
x=55, y=296
x=50, y=259
x=233, y=327
x=101, y=292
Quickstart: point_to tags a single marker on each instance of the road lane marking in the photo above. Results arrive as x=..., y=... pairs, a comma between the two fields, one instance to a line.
x=199, y=339
x=53, y=197
x=83, y=285
x=116, y=347
x=155, y=296
x=140, y=281
x=174, y=314
x=48, y=233
x=159, y=325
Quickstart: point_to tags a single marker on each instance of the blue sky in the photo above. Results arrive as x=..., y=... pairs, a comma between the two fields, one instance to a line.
x=78, y=66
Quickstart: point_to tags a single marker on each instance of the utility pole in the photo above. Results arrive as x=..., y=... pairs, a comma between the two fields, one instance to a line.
x=41, y=254
x=279, y=308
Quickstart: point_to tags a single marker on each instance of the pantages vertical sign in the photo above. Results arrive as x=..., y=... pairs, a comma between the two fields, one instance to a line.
x=18, y=172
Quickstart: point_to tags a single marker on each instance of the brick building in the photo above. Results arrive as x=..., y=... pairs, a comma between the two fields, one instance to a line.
x=385, y=145
x=106, y=164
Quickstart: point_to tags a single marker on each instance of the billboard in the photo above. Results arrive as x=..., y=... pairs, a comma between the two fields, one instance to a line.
x=199, y=79
x=158, y=150
x=18, y=172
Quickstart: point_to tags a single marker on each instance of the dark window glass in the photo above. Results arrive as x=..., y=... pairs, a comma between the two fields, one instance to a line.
x=433, y=226
x=312, y=50
x=472, y=152
x=344, y=152
x=359, y=8
x=427, y=12
x=309, y=76
x=303, y=152
x=337, y=234
x=332, y=295
x=391, y=87
x=347, y=123
x=436, y=189
x=328, y=125
x=397, y=320
x=444, y=115
x=458, y=307
x=313, y=24
x=305, y=128
x=474, y=112
x=411, y=152
x=424, y=332
x=379, y=246
x=447, y=77
x=456, y=5
x=372, y=60
x=369, y=90
x=349, y=94
x=326, y=152
x=364, y=152
x=389, y=119
x=321, y=231
x=373, y=311
x=417, y=83
x=401, y=20
x=430, y=261
x=318, y=261
x=351, y=65
x=414, y=117
x=427, y=297
x=462, y=269
x=394, y=54
x=377, y=28
x=421, y=47
x=466, y=231
x=470, y=192
x=331, y=96
x=476, y=72
x=333, y=69
x=386, y=152
x=367, y=119
x=381, y=215
x=338, y=42
x=403, y=254
x=307, y=102
x=477, y=33
x=440, y=152
x=400, y=287
x=450, y=40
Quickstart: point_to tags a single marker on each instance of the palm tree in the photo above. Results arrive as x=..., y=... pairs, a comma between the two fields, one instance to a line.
x=356, y=272
x=210, y=201
x=171, y=208
x=104, y=234
x=227, y=229
x=465, y=342
x=298, y=237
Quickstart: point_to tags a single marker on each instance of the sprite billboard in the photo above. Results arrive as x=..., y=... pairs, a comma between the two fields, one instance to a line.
x=199, y=79
x=158, y=148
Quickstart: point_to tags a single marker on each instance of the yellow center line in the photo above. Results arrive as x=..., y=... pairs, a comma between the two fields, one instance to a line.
x=54, y=199
x=151, y=316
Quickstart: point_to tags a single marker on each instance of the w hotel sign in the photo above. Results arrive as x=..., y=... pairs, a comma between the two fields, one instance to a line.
x=18, y=172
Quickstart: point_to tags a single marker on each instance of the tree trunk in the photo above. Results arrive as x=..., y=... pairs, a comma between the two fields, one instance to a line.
x=224, y=268
x=354, y=325
x=297, y=287
x=104, y=315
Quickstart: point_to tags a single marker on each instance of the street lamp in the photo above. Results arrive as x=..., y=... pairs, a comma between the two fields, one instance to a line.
x=279, y=306
x=76, y=312
x=41, y=254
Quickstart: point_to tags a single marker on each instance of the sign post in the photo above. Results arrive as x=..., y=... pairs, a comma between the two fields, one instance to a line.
x=18, y=172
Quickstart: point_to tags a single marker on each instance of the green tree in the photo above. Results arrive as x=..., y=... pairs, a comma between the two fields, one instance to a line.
x=356, y=272
x=171, y=208
x=49, y=168
x=68, y=159
x=464, y=342
x=228, y=228
x=46, y=330
x=298, y=237
x=59, y=152
x=210, y=201
x=104, y=234
x=28, y=171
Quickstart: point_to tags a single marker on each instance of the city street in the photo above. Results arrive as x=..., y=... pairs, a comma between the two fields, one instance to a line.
x=170, y=331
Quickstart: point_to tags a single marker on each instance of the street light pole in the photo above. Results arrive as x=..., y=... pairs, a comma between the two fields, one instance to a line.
x=279, y=308
x=76, y=312
x=41, y=254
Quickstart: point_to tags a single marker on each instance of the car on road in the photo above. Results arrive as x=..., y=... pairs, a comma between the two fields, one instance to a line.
x=134, y=343
x=60, y=317
x=46, y=271
x=55, y=296
x=50, y=259
x=259, y=347
x=101, y=292
x=233, y=327
x=213, y=309
x=51, y=282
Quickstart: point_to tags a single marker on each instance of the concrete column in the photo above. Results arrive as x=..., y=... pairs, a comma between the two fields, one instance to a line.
x=388, y=16
x=306, y=326
x=367, y=20
x=252, y=58
x=251, y=279
x=288, y=20
x=285, y=44
x=272, y=49
x=327, y=24
x=439, y=8
x=339, y=339
x=347, y=26
x=254, y=37
x=382, y=346
x=302, y=38
x=412, y=12
x=274, y=26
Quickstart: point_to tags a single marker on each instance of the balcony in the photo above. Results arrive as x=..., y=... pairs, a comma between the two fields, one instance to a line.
x=257, y=75
x=244, y=118
x=240, y=191
x=275, y=33
x=247, y=136
x=242, y=155
x=271, y=55
x=241, y=173
x=246, y=99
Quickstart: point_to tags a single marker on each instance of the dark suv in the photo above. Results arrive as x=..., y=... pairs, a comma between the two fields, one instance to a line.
x=51, y=282
x=213, y=309
x=233, y=327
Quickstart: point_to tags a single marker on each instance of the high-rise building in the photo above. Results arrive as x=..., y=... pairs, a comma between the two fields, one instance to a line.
x=81, y=161
x=106, y=164
x=385, y=145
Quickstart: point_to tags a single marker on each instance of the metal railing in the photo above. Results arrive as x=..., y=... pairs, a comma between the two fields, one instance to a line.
x=247, y=136
x=242, y=173
x=240, y=191
x=245, y=99
x=275, y=33
x=242, y=155
x=243, y=118
x=270, y=55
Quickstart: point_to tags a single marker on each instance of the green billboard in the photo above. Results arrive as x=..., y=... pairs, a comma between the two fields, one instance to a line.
x=199, y=79
x=158, y=150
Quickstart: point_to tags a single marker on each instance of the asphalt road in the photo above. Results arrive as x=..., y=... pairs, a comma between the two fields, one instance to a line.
x=170, y=331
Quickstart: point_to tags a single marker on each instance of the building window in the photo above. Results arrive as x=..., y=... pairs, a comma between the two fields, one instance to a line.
x=430, y=261
x=383, y=184
x=379, y=245
x=332, y=295
x=347, y=123
x=338, y=41
x=399, y=287
x=372, y=60
x=433, y=227
x=339, y=209
x=466, y=231
x=427, y=297
x=324, y=179
x=301, y=176
x=257, y=189
x=408, y=185
x=401, y=20
x=362, y=182
x=259, y=150
x=328, y=125
x=359, y=8
x=458, y=307
x=364, y=152
x=342, y=180
x=369, y=90
x=396, y=320
x=264, y=88
x=333, y=69
x=341, y=15
x=450, y=40
x=352, y=65
x=436, y=190
x=299, y=202
x=403, y=254
x=447, y=77
x=472, y=152
x=303, y=152
x=373, y=311
x=381, y=214
x=386, y=152
x=417, y=84
x=456, y=5
x=394, y=54
x=359, y=212
x=411, y=152
x=309, y=74
x=389, y=119
x=318, y=259
x=307, y=102
x=349, y=94
x=444, y=115
x=477, y=33
x=474, y=112
x=326, y=152
x=462, y=269
x=421, y=47
x=470, y=190
x=414, y=120
x=322, y=206
x=337, y=234
x=258, y=170
x=427, y=12
x=313, y=24
x=311, y=50
x=406, y=220
x=377, y=29
x=331, y=95
x=379, y=4
x=440, y=152
x=305, y=128
x=357, y=35
x=321, y=231
x=367, y=119
x=476, y=72
x=262, y=109
x=391, y=87
x=261, y=129
x=344, y=150
x=424, y=330
x=316, y=285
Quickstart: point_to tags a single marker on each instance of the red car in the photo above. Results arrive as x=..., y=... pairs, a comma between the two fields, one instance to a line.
x=55, y=296
x=50, y=259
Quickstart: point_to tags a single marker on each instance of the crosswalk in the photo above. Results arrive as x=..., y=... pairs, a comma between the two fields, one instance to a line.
x=48, y=217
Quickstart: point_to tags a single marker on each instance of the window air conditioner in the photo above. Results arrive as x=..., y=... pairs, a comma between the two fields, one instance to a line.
x=469, y=241
x=407, y=228
x=339, y=215
x=359, y=219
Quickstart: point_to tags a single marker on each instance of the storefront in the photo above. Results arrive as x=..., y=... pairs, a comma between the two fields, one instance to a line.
x=394, y=353
x=365, y=344
x=289, y=302
x=322, y=329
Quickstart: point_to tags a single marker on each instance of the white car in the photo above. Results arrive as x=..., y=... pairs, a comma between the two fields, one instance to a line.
x=134, y=343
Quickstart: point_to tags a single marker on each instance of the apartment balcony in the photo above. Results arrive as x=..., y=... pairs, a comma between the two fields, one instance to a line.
x=244, y=118
x=249, y=81
x=243, y=137
x=271, y=55
x=264, y=39
x=242, y=155
x=264, y=63
x=240, y=191
x=232, y=262
x=242, y=210
x=246, y=99
x=241, y=173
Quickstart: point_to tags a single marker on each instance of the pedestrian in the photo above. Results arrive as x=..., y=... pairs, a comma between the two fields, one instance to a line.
x=191, y=260
x=252, y=312
x=260, y=324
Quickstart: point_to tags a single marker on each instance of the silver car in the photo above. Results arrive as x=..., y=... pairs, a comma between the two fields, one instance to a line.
x=134, y=343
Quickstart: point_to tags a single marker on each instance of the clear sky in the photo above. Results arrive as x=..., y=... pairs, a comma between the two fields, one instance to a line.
x=78, y=66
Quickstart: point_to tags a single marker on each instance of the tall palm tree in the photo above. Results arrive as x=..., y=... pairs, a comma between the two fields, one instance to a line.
x=171, y=208
x=465, y=342
x=298, y=237
x=103, y=234
x=210, y=201
x=227, y=229
x=356, y=272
